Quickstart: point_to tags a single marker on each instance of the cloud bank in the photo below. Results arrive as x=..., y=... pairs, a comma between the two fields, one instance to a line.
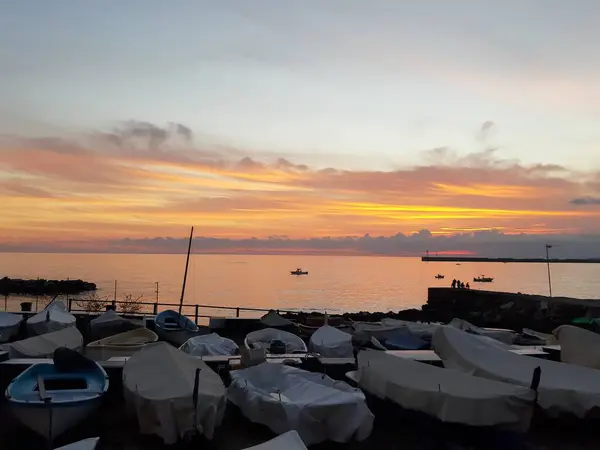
x=118, y=190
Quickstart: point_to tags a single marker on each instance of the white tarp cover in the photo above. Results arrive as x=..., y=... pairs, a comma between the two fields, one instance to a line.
x=272, y=319
x=111, y=323
x=286, y=441
x=54, y=317
x=9, y=325
x=423, y=330
x=449, y=395
x=263, y=339
x=158, y=383
x=210, y=345
x=563, y=387
x=505, y=336
x=44, y=345
x=286, y=398
x=331, y=343
x=86, y=444
x=578, y=346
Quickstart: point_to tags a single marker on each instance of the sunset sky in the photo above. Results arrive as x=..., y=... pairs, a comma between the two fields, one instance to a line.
x=298, y=123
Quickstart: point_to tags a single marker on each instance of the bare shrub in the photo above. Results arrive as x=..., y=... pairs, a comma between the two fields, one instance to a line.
x=92, y=304
x=130, y=304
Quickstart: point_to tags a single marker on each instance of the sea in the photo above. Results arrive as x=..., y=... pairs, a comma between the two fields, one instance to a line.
x=334, y=283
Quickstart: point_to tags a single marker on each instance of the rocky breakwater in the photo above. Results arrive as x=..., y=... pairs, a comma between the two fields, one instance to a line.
x=14, y=286
x=514, y=311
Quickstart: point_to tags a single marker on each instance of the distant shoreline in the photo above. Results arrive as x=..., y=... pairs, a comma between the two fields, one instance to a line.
x=508, y=260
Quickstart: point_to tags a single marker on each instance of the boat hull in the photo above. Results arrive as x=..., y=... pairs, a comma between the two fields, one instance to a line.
x=9, y=332
x=179, y=337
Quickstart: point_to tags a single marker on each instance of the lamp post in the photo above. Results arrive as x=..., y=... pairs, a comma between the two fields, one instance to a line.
x=548, y=247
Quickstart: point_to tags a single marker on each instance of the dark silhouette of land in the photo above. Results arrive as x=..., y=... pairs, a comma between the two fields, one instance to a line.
x=509, y=260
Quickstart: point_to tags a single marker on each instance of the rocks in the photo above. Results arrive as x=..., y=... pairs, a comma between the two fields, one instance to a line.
x=9, y=286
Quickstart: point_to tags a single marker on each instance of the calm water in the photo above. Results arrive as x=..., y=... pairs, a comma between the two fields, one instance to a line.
x=334, y=283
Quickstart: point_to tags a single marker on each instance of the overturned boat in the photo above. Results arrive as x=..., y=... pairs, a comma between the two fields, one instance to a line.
x=423, y=330
x=122, y=344
x=286, y=398
x=85, y=444
x=505, y=336
x=564, y=388
x=274, y=320
x=330, y=342
x=210, y=345
x=275, y=341
x=51, y=398
x=9, y=325
x=578, y=346
x=45, y=345
x=538, y=338
x=447, y=395
x=53, y=317
x=110, y=323
x=173, y=393
x=286, y=441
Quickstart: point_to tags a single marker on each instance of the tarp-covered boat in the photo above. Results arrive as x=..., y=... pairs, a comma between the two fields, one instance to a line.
x=364, y=331
x=286, y=441
x=210, y=345
x=505, y=336
x=122, y=344
x=563, y=387
x=53, y=317
x=85, y=444
x=423, y=330
x=274, y=320
x=176, y=329
x=287, y=398
x=51, y=398
x=110, y=323
x=158, y=384
x=275, y=341
x=578, y=346
x=331, y=343
x=447, y=395
x=401, y=339
x=44, y=345
x=9, y=325
x=542, y=338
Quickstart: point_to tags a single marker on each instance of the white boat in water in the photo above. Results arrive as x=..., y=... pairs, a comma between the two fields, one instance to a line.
x=43, y=346
x=53, y=317
x=158, y=384
x=504, y=336
x=564, y=388
x=275, y=341
x=286, y=398
x=210, y=345
x=331, y=343
x=286, y=441
x=9, y=325
x=85, y=444
x=122, y=344
x=450, y=396
x=578, y=346
x=110, y=323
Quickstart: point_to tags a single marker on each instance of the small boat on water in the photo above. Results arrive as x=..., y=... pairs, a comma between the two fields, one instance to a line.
x=85, y=444
x=9, y=325
x=110, y=323
x=330, y=342
x=51, y=398
x=53, y=317
x=122, y=344
x=286, y=398
x=482, y=279
x=578, y=346
x=439, y=276
x=275, y=341
x=44, y=345
x=172, y=393
x=210, y=345
x=286, y=441
x=298, y=271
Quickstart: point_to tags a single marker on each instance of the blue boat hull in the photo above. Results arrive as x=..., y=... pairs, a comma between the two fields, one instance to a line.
x=176, y=329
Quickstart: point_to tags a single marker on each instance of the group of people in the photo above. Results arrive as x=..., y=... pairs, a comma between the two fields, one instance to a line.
x=460, y=285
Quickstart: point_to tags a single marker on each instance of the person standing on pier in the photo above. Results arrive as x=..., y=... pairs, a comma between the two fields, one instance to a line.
x=453, y=283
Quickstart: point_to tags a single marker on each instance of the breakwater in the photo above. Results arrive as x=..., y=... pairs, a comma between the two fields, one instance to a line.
x=15, y=286
x=509, y=260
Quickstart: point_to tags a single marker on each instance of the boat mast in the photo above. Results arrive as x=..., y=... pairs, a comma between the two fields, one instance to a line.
x=187, y=263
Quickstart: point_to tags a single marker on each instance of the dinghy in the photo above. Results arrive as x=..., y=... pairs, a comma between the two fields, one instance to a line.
x=505, y=336
x=176, y=329
x=9, y=325
x=159, y=384
x=286, y=398
x=564, y=388
x=364, y=331
x=447, y=395
x=109, y=324
x=578, y=346
x=51, y=398
x=43, y=346
x=401, y=339
x=423, y=330
x=541, y=338
x=274, y=320
x=122, y=344
x=286, y=441
x=275, y=341
x=210, y=345
x=330, y=342
x=54, y=317
x=85, y=444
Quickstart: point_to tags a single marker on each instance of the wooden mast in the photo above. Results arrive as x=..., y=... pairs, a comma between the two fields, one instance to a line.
x=187, y=263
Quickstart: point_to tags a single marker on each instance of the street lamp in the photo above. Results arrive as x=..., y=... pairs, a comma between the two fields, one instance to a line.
x=548, y=247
